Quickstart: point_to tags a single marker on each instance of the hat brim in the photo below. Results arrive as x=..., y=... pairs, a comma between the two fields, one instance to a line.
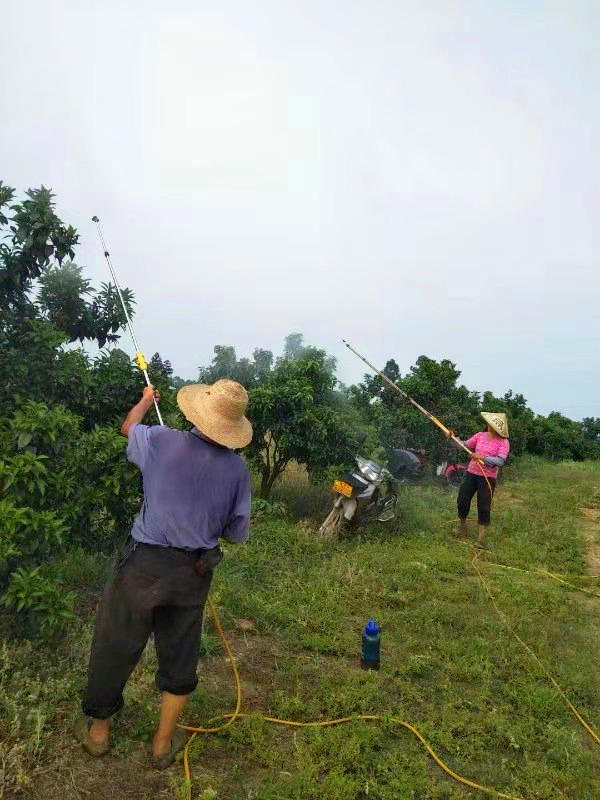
x=194, y=402
x=487, y=418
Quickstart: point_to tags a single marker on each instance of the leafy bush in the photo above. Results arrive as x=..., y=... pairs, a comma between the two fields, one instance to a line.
x=24, y=476
x=262, y=509
x=26, y=533
x=41, y=600
x=61, y=487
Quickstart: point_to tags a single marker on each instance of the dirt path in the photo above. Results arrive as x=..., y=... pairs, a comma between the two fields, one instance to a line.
x=590, y=529
x=591, y=532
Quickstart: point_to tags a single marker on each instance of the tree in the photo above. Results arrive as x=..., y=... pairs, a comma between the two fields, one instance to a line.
x=35, y=245
x=45, y=303
x=62, y=302
x=591, y=428
x=263, y=363
x=294, y=418
x=294, y=346
x=38, y=237
x=157, y=368
x=177, y=382
x=435, y=386
x=225, y=364
x=64, y=479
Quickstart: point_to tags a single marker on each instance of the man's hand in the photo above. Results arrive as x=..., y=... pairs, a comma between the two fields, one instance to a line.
x=150, y=394
x=139, y=411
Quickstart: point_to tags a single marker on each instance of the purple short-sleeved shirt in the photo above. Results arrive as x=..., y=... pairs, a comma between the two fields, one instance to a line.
x=194, y=491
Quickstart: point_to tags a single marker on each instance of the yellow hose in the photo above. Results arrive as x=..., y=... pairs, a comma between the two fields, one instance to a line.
x=546, y=574
x=550, y=677
x=231, y=718
x=328, y=723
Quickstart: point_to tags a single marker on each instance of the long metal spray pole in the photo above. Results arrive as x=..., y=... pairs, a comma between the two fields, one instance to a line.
x=406, y=396
x=139, y=356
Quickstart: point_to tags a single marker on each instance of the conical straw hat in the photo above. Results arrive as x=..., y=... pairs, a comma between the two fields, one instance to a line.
x=498, y=422
x=218, y=411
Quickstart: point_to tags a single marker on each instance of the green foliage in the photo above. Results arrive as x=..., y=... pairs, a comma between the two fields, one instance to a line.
x=263, y=509
x=38, y=243
x=24, y=475
x=62, y=298
x=45, y=431
x=41, y=599
x=45, y=303
x=296, y=412
x=28, y=534
x=558, y=438
x=591, y=428
x=61, y=486
x=36, y=237
x=225, y=364
x=294, y=418
x=109, y=500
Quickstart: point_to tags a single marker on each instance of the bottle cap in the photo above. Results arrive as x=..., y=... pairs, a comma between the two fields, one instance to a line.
x=371, y=628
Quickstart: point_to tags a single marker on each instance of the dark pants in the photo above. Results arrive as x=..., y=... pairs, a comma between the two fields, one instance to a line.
x=475, y=484
x=154, y=590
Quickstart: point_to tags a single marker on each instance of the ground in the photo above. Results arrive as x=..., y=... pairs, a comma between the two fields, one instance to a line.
x=293, y=607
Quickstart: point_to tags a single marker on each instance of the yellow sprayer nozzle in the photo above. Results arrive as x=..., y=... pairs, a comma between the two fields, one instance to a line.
x=141, y=361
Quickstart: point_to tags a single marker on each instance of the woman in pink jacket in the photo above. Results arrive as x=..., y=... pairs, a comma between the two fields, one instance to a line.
x=491, y=448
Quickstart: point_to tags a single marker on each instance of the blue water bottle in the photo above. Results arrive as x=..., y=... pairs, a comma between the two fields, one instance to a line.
x=369, y=657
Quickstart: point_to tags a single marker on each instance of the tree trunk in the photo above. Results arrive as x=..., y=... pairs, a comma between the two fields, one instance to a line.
x=266, y=484
x=268, y=478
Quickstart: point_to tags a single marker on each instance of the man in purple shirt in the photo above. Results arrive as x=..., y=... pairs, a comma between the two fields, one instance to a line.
x=196, y=490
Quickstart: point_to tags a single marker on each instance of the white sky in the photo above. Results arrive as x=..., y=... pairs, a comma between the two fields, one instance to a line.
x=420, y=178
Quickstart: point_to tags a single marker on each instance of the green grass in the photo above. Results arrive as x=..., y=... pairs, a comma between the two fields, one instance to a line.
x=449, y=666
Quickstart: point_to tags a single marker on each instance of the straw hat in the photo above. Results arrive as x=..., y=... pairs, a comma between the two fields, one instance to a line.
x=498, y=422
x=217, y=411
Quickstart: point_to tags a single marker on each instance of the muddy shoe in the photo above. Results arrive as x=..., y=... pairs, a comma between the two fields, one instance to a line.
x=178, y=742
x=82, y=734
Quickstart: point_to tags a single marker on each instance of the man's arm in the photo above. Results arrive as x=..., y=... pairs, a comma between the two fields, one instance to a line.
x=139, y=411
x=238, y=525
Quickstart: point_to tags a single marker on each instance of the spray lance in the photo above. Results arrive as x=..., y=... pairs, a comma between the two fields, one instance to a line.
x=446, y=431
x=139, y=356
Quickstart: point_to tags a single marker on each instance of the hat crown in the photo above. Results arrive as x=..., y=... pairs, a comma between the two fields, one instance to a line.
x=498, y=421
x=218, y=411
x=229, y=398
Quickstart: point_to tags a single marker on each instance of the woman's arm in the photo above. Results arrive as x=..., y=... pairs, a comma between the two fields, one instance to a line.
x=494, y=461
x=500, y=459
x=472, y=442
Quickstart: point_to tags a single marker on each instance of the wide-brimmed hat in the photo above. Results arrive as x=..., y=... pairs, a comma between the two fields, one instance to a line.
x=498, y=422
x=218, y=411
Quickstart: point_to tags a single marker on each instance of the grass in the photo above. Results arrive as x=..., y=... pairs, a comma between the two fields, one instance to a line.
x=449, y=666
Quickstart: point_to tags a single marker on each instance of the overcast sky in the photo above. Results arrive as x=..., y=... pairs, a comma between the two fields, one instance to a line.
x=420, y=178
